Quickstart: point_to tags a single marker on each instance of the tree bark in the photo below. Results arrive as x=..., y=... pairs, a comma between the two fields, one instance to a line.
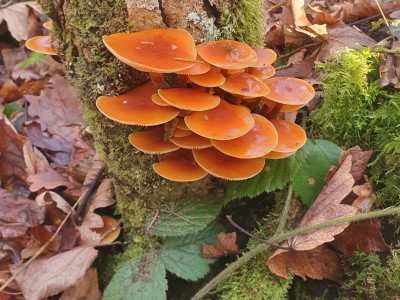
x=78, y=27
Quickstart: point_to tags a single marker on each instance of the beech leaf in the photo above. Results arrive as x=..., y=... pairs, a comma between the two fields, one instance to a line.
x=226, y=245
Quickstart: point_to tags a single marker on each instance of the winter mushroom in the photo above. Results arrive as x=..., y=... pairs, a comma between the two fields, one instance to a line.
x=48, y=25
x=192, y=141
x=152, y=141
x=224, y=166
x=265, y=57
x=263, y=73
x=246, y=85
x=189, y=99
x=290, y=136
x=179, y=166
x=212, y=78
x=110, y=230
x=260, y=140
x=40, y=44
x=224, y=122
x=278, y=155
x=136, y=107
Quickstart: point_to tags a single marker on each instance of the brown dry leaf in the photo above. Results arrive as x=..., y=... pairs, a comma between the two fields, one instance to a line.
x=86, y=288
x=50, y=197
x=389, y=68
x=324, y=18
x=363, y=9
x=48, y=276
x=17, y=214
x=16, y=17
x=226, y=245
x=319, y=263
x=11, y=154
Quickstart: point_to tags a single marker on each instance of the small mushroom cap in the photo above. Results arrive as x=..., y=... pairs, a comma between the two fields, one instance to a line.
x=165, y=50
x=260, y=140
x=278, y=155
x=284, y=108
x=181, y=124
x=289, y=90
x=263, y=73
x=193, y=141
x=189, y=99
x=290, y=136
x=200, y=67
x=40, y=44
x=224, y=122
x=151, y=141
x=158, y=100
x=227, y=54
x=181, y=133
x=109, y=223
x=212, y=78
x=179, y=166
x=245, y=84
x=48, y=25
x=224, y=166
x=265, y=57
x=136, y=107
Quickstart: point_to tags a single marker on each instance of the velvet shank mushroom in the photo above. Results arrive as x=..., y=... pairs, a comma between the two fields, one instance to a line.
x=189, y=99
x=40, y=44
x=110, y=230
x=290, y=136
x=152, y=141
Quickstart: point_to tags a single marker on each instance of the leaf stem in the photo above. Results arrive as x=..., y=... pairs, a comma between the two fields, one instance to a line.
x=284, y=236
x=285, y=211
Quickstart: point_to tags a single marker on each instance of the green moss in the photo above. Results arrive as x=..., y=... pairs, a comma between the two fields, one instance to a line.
x=242, y=21
x=355, y=111
x=369, y=278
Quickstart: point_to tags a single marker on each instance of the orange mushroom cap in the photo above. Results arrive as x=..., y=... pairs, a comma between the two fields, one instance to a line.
x=151, y=141
x=136, y=107
x=198, y=68
x=181, y=133
x=212, y=78
x=245, y=84
x=224, y=122
x=164, y=50
x=48, y=25
x=263, y=73
x=109, y=223
x=290, y=136
x=224, y=166
x=260, y=140
x=193, y=141
x=289, y=90
x=179, y=166
x=278, y=155
x=181, y=124
x=265, y=57
x=284, y=108
x=158, y=100
x=227, y=54
x=189, y=99
x=40, y=44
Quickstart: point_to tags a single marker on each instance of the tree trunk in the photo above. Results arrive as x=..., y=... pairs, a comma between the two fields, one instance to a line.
x=78, y=27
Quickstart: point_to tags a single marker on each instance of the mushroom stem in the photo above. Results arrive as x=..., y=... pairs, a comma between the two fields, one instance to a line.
x=253, y=104
x=271, y=113
x=237, y=100
x=182, y=81
x=157, y=79
x=169, y=129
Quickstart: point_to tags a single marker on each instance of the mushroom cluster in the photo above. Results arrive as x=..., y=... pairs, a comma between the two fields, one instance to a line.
x=214, y=108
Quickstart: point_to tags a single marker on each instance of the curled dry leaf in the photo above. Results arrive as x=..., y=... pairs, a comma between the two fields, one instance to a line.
x=389, y=68
x=48, y=276
x=226, y=245
x=87, y=287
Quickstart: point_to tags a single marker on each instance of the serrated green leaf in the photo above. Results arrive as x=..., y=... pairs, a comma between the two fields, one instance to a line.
x=187, y=217
x=31, y=58
x=142, y=277
x=308, y=181
x=183, y=255
x=276, y=173
x=10, y=108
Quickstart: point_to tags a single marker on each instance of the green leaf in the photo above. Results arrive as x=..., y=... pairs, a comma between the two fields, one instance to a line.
x=183, y=255
x=308, y=181
x=142, y=277
x=31, y=58
x=186, y=217
x=11, y=108
x=276, y=173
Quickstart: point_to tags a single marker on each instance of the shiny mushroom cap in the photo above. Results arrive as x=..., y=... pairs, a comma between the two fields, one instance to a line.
x=263, y=73
x=110, y=234
x=192, y=141
x=179, y=166
x=285, y=107
x=260, y=140
x=290, y=136
x=48, y=25
x=189, y=99
x=278, y=155
x=165, y=50
x=40, y=44
x=212, y=78
x=245, y=84
x=200, y=67
x=289, y=90
x=151, y=141
x=225, y=54
x=224, y=166
x=224, y=122
x=265, y=57
x=136, y=107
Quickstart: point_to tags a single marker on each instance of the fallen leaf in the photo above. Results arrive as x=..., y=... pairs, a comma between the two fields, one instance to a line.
x=50, y=197
x=321, y=17
x=48, y=276
x=389, y=68
x=226, y=245
x=86, y=288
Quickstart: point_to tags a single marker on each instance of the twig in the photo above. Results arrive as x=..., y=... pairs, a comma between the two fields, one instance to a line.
x=384, y=18
x=298, y=49
x=285, y=211
x=152, y=221
x=371, y=17
x=279, y=238
x=255, y=237
x=88, y=194
x=109, y=230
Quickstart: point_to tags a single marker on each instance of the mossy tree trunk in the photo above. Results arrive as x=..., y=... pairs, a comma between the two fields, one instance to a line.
x=78, y=27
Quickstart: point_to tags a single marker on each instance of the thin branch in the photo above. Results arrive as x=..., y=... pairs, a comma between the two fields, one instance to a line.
x=279, y=238
x=384, y=18
x=285, y=211
x=298, y=49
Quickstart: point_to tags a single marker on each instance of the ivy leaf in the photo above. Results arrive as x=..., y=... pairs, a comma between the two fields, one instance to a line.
x=183, y=255
x=276, y=173
x=186, y=217
x=11, y=108
x=308, y=181
x=142, y=277
x=31, y=58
